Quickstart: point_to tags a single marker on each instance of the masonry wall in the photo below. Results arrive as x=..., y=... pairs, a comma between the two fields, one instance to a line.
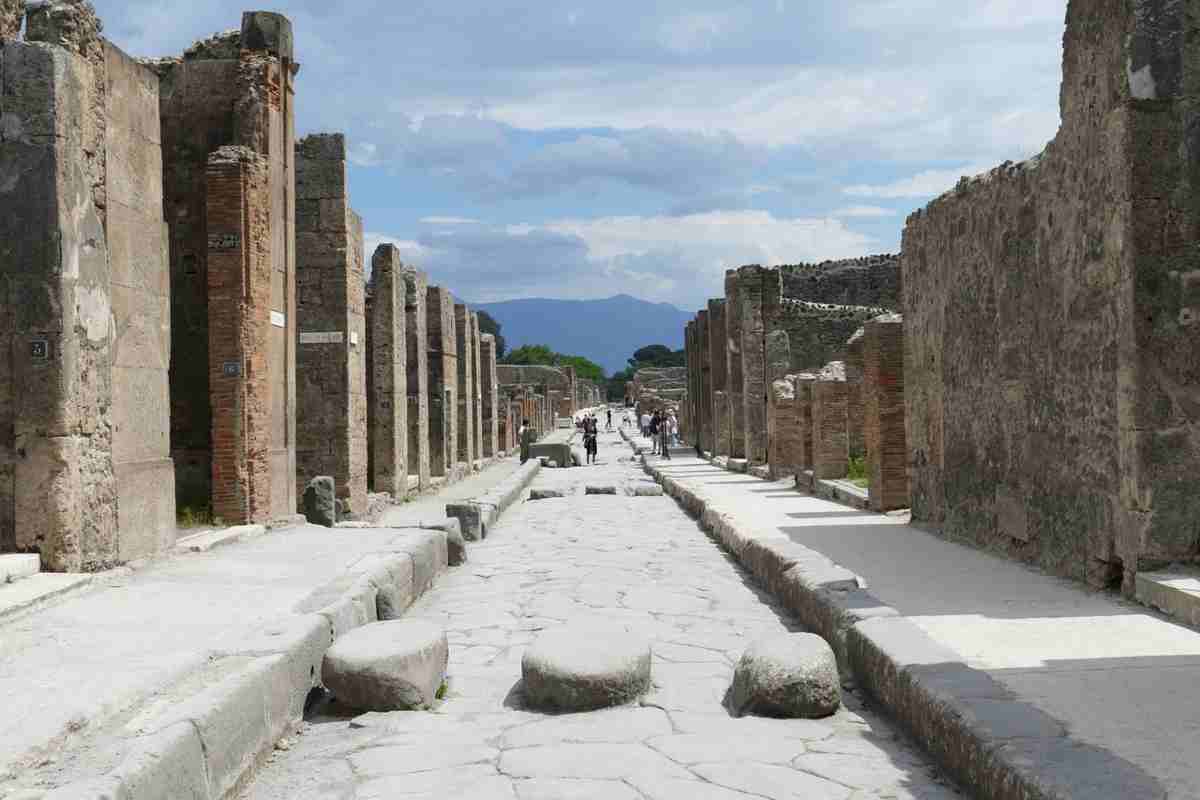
x=331, y=429
x=784, y=430
x=388, y=375
x=869, y=281
x=719, y=370
x=883, y=413
x=85, y=472
x=735, y=378
x=416, y=343
x=1051, y=309
x=443, y=382
x=224, y=93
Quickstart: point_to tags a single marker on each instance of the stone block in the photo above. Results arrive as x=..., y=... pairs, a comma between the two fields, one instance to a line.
x=791, y=675
x=269, y=32
x=320, y=503
x=585, y=668
x=388, y=666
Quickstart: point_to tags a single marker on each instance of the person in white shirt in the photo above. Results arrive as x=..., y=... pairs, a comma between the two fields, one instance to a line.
x=645, y=425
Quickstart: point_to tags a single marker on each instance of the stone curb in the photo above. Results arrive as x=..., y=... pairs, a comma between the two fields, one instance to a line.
x=973, y=726
x=207, y=540
x=207, y=745
x=478, y=514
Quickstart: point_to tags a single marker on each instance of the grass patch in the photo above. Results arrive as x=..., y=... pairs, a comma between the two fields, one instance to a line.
x=197, y=517
x=856, y=473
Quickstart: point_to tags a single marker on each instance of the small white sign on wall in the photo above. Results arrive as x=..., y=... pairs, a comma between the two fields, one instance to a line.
x=354, y=338
x=279, y=319
x=321, y=337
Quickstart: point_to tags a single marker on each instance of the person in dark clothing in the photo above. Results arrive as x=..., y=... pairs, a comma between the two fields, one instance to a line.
x=590, y=436
x=655, y=421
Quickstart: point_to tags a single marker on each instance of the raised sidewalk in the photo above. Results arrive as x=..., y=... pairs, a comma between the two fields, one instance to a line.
x=82, y=676
x=1022, y=684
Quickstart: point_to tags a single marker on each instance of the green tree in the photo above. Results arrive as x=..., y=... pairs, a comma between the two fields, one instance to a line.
x=488, y=324
x=656, y=355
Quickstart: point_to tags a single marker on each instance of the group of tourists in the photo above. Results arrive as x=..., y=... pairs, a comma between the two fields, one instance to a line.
x=590, y=426
x=662, y=429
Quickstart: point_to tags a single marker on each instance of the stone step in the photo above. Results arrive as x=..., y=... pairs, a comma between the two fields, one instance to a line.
x=19, y=565
x=1174, y=591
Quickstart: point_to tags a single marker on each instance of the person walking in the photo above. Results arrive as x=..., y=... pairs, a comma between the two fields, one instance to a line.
x=527, y=438
x=590, y=435
x=655, y=424
x=665, y=428
x=609, y=425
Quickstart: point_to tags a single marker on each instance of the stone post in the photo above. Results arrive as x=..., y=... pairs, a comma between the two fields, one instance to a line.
x=854, y=394
x=804, y=420
x=830, y=447
x=783, y=425
x=389, y=374
x=416, y=344
x=443, y=382
x=491, y=408
x=239, y=325
x=758, y=290
x=883, y=385
x=465, y=342
x=331, y=430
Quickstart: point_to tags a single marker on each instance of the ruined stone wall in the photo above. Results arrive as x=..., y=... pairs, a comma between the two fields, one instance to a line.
x=735, y=381
x=818, y=333
x=443, y=381
x=465, y=344
x=85, y=472
x=514, y=374
x=869, y=281
x=233, y=89
x=331, y=430
x=387, y=375
x=416, y=342
x=491, y=411
x=883, y=413
x=703, y=402
x=1052, y=379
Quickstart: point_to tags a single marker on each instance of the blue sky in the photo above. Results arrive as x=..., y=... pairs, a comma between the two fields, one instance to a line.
x=577, y=149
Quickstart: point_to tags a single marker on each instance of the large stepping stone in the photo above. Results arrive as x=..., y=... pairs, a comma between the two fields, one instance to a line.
x=546, y=494
x=600, y=490
x=581, y=668
x=387, y=666
x=320, y=502
x=793, y=675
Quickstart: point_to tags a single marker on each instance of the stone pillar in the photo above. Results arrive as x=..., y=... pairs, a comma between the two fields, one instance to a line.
x=388, y=374
x=830, y=448
x=758, y=290
x=736, y=382
x=491, y=408
x=883, y=388
x=465, y=343
x=239, y=325
x=86, y=478
x=719, y=370
x=331, y=430
x=477, y=385
x=854, y=394
x=416, y=343
x=443, y=382
x=704, y=401
x=238, y=91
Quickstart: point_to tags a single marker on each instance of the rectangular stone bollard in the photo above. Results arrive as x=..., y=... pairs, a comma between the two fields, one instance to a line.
x=830, y=445
x=883, y=385
x=389, y=374
x=331, y=368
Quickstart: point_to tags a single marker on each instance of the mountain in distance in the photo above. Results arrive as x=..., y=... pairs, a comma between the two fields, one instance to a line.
x=605, y=331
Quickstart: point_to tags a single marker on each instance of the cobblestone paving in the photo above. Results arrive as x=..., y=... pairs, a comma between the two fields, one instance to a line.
x=636, y=560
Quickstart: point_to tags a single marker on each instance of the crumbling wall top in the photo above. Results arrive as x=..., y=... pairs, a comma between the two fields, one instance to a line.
x=226, y=45
x=72, y=24
x=11, y=14
x=267, y=31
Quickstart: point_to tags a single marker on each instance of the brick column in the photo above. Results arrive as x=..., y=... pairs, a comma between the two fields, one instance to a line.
x=416, y=345
x=883, y=389
x=704, y=403
x=443, y=382
x=389, y=374
x=783, y=425
x=239, y=323
x=754, y=288
x=465, y=344
x=854, y=394
x=719, y=370
x=492, y=411
x=830, y=449
x=331, y=430
x=804, y=420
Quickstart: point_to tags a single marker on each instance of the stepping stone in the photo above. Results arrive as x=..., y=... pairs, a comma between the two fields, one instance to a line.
x=586, y=667
x=545, y=494
x=645, y=490
x=320, y=503
x=600, y=490
x=456, y=545
x=793, y=675
x=387, y=666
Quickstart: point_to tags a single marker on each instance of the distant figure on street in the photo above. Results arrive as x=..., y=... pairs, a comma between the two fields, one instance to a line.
x=609, y=425
x=655, y=423
x=590, y=436
x=645, y=424
x=666, y=428
x=528, y=437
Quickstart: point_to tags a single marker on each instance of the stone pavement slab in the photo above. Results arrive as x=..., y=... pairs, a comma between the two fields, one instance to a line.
x=1118, y=678
x=637, y=562
x=100, y=654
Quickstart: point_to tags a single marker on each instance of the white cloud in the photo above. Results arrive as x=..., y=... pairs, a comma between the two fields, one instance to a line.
x=448, y=221
x=930, y=183
x=863, y=212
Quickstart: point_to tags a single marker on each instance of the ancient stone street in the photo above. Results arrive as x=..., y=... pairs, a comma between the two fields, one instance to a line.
x=636, y=561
